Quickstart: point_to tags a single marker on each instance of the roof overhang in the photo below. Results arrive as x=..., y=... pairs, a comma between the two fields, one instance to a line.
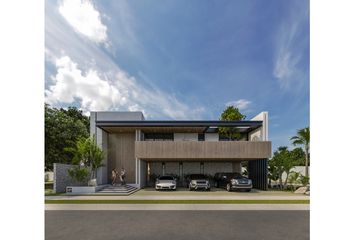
x=176, y=126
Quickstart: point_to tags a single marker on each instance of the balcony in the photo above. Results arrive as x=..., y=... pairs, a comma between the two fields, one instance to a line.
x=223, y=150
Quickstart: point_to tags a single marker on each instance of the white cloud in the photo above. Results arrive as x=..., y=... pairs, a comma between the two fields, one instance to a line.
x=84, y=18
x=99, y=91
x=241, y=104
x=290, y=45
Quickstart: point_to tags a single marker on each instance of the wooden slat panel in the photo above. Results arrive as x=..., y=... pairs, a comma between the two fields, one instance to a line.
x=121, y=154
x=202, y=150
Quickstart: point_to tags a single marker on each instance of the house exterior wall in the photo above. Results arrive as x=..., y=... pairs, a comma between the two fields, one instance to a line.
x=299, y=169
x=168, y=150
x=260, y=134
x=62, y=179
x=121, y=154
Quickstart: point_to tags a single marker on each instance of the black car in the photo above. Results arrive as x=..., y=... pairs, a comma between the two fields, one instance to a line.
x=198, y=181
x=232, y=181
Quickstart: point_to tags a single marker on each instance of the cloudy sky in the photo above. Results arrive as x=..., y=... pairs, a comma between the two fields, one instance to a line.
x=181, y=59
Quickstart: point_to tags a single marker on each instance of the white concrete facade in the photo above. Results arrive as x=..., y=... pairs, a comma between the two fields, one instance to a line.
x=260, y=134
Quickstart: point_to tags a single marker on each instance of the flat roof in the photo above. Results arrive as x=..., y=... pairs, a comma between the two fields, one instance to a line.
x=202, y=125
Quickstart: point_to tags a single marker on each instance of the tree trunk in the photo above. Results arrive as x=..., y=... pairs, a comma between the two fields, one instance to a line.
x=286, y=179
x=280, y=180
x=306, y=162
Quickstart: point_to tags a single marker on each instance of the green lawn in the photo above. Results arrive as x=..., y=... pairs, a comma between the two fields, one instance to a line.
x=177, y=201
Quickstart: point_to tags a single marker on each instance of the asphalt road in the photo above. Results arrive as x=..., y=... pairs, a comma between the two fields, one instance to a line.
x=171, y=225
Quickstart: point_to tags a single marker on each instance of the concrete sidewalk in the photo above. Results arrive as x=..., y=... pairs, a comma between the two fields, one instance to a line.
x=177, y=207
x=149, y=194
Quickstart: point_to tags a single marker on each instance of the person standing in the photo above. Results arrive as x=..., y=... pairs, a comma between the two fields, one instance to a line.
x=114, y=176
x=122, y=176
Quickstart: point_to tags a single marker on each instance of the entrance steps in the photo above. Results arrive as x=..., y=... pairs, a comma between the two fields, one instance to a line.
x=117, y=190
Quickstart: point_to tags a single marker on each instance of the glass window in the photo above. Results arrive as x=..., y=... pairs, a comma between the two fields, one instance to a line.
x=158, y=136
x=201, y=137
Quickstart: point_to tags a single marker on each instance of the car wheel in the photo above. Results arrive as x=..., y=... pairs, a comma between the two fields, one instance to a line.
x=228, y=187
x=248, y=190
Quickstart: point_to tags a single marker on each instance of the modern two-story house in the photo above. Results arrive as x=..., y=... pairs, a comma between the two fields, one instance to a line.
x=151, y=148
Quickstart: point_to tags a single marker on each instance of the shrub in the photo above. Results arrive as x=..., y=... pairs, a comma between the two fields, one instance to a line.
x=305, y=180
x=80, y=174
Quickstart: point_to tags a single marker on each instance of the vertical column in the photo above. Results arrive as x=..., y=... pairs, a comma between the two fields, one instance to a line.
x=258, y=173
x=163, y=168
x=138, y=161
x=201, y=167
x=181, y=173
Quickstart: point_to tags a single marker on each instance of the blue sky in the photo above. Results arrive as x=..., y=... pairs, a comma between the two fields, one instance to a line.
x=181, y=59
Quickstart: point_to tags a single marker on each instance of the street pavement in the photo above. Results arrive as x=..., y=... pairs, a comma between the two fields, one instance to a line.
x=175, y=207
x=171, y=225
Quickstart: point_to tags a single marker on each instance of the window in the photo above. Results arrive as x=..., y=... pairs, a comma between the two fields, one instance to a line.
x=158, y=136
x=201, y=137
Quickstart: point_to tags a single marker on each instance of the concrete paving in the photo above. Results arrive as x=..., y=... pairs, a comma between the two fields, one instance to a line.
x=176, y=207
x=173, y=225
x=182, y=194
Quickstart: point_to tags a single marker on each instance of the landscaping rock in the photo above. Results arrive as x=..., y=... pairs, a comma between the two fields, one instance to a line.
x=301, y=190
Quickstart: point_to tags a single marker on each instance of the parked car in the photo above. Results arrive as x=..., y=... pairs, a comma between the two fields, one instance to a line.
x=232, y=181
x=198, y=181
x=166, y=183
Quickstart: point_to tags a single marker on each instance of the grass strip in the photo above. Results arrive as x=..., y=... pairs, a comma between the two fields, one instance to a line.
x=120, y=201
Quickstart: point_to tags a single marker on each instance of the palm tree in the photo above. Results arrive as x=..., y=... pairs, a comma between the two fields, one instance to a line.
x=303, y=138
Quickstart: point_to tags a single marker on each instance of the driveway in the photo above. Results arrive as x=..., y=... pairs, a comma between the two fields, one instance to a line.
x=171, y=225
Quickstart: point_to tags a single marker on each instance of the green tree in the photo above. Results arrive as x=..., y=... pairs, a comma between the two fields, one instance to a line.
x=97, y=156
x=303, y=138
x=88, y=154
x=298, y=156
x=294, y=178
x=282, y=161
x=273, y=173
x=62, y=129
x=231, y=113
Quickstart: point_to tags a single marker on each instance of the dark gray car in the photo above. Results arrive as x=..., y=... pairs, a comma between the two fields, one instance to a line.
x=233, y=181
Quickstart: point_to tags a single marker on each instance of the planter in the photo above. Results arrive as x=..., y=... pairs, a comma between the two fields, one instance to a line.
x=83, y=189
x=92, y=183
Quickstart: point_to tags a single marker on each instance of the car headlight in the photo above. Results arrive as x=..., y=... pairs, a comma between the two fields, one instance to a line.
x=249, y=181
x=207, y=182
x=193, y=182
x=234, y=181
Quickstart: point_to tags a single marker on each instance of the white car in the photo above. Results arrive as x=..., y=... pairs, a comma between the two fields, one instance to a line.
x=166, y=183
